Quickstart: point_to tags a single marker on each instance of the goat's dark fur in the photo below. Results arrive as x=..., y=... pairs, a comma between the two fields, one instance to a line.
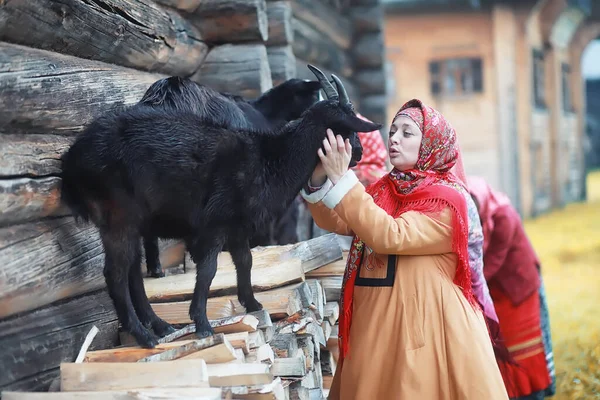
x=281, y=104
x=173, y=174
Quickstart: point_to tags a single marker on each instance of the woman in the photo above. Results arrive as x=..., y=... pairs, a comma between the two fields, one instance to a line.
x=410, y=327
x=511, y=269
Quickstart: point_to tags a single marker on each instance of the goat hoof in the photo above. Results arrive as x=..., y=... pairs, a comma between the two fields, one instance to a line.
x=204, y=330
x=145, y=338
x=252, y=305
x=162, y=328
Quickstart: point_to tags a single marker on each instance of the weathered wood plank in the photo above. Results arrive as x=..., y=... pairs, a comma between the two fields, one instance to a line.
x=311, y=45
x=34, y=344
x=371, y=81
x=28, y=199
x=131, y=394
x=303, y=72
x=367, y=19
x=325, y=19
x=136, y=34
x=369, y=51
x=45, y=92
x=239, y=69
x=282, y=63
x=280, y=23
x=122, y=376
x=239, y=374
x=230, y=21
x=32, y=155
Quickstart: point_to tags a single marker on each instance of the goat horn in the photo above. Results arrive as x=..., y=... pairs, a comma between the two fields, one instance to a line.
x=344, y=99
x=328, y=88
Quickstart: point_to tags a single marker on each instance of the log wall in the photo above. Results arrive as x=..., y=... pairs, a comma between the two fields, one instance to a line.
x=64, y=62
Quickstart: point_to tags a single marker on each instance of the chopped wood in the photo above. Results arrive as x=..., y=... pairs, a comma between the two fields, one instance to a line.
x=279, y=14
x=238, y=69
x=315, y=394
x=262, y=354
x=326, y=326
x=328, y=363
x=282, y=63
x=237, y=323
x=121, y=376
x=290, y=366
x=240, y=356
x=130, y=394
x=332, y=312
x=311, y=45
x=327, y=20
x=220, y=353
x=239, y=340
x=307, y=345
x=265, y=324
x=298, y=392
x=284, y=345
x=318, y=298
x=273, y=390
x=136, y=34
x=239, y=374
x=335, y=268
x=75, y=90
x=256, y=339
x=333, y=287
x=318, y=251
x=177, y=352
x=230, y=21
x=87, y=343
x=367, y=19
x=269, y=270
x=368, y=51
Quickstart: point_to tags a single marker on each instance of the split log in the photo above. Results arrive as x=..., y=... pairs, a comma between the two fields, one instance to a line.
x=366, y=19
x=280, y=23
x=369, y=51
x=325, y=19
x=332, y=312
x=220, y=353
x=220, y=375
x=304, y=73
x=32, y=155
x=298, y=392
x=131, y=394
x=290, y=367
x=282, y=63
x=333, y=287
x=336, y=268
x=256, y=339
x=137, y=34
x=239, y=69
x=278, y=302
x=29, y=199
x=122, y=376
x=318, y=252
x=270, y=391
x=263, y=353
x=371, y=81
x=284, y=345
x=264, y=324
x=46, y=92
x=270, y=269
x=237, y=323
x=34, y=344
x=239, y=340
x=311, y=45
x=307, y=345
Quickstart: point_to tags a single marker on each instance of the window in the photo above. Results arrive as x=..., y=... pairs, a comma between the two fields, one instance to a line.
x=566, y=88
x=456, y=77
x=539, y=77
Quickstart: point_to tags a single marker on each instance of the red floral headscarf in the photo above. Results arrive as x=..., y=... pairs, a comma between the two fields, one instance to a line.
x=430, y=187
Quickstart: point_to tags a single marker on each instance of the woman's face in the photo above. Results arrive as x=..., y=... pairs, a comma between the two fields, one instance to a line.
x=404, y=143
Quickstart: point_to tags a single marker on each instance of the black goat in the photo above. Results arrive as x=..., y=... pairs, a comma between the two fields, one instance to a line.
x=169, y=172
x=281, y=104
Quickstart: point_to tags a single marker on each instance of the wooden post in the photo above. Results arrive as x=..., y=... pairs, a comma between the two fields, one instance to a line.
x=280, y=23
x=282, y=63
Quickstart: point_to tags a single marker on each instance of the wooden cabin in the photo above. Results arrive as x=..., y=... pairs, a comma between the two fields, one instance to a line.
x=62, y=63
x=507, y=74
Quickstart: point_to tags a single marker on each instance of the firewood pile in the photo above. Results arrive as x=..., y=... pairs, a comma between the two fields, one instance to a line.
x=288, y=350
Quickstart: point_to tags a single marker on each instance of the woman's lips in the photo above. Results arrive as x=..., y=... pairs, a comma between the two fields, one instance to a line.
x=394, y=152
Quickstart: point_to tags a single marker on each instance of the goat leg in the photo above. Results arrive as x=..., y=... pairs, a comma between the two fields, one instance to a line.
x=122, y=253
x=204, y=254
x=152, y=260
x=142, y=306
x=242, y=258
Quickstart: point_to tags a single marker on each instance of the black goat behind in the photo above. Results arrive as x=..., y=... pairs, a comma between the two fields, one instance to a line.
x=276, y=107
x=172, y=173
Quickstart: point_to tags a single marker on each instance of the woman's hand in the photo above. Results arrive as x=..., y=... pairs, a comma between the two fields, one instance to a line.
x=337, y=156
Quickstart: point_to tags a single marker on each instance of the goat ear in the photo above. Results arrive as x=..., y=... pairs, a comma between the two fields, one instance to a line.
x=312, y=86
x=355, y=124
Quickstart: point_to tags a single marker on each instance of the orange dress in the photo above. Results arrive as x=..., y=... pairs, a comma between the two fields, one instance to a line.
x=414, y=335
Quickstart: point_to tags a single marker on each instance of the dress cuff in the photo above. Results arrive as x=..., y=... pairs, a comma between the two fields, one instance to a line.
x=316, y=196
x=340, y=189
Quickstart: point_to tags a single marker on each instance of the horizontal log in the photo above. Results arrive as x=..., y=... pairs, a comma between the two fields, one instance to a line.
x=27, y=199
x=281, y=32
x=47, y=261
x=369, y=51
x=318, y=252
x=136, y=34
x=34, y=344
x=312, y=46
x=131, y=394
x=324, y=19
x=282, y=63
x=303, y=72
x=366, y=19
x=239, y=69
x=375, y=108
x=371, y=81
x=182, y=5
x=32, y=155
x=45, y=92
x=228, y=21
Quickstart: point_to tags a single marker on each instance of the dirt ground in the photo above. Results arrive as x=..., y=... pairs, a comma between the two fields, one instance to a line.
x=568, y=243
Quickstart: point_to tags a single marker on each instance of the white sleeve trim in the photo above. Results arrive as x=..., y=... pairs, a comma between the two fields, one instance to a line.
x=317, y=196
x=340, y=189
